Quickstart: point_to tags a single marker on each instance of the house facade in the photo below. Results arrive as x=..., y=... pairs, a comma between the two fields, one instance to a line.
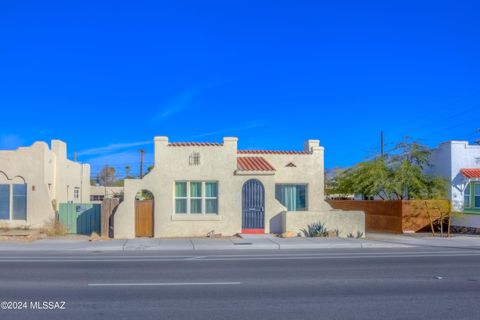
x=198, y=188
x=459, y=163
x=35, y=179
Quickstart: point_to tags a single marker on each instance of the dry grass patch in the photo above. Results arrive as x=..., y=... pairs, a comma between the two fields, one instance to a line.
x=53, y=228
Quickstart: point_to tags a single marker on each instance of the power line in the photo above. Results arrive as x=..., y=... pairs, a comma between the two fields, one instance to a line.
x=446, y=118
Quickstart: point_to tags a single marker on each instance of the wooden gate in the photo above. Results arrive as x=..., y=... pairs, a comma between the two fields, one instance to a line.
x=144, y=218
x=253, y=207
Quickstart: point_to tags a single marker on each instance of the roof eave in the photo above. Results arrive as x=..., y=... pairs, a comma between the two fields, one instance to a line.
x=254, y=173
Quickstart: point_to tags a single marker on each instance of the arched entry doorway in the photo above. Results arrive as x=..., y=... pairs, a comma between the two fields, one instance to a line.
x=144, y=220
x=253, y=207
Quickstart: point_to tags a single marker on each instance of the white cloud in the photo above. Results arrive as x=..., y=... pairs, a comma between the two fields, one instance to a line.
x=112, y=148
x=181, y=102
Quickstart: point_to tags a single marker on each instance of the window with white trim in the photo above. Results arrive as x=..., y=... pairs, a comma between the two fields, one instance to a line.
x=76, y=193
x=196, y=197
x=466, y=197
x=13, y=201
x=293, y=196
x=476, y=195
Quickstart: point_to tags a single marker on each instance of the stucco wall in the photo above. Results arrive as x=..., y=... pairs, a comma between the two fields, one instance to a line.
x=70, y=175
x=466, y=220
x=45, y=172
x=346, y=222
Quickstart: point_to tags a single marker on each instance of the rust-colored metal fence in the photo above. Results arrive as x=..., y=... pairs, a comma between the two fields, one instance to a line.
x=396, y=216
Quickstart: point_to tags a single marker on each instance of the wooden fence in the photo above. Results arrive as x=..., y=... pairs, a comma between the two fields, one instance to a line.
x=396, y=216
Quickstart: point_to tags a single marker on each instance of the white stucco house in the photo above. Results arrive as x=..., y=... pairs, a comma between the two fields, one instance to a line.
x=459, y=163
x=35, y=179
x=197, y=188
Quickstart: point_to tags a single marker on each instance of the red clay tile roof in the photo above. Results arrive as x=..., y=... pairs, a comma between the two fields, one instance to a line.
x=253, y=164
x=271, y=152
x=471, y=173
x=195, y=144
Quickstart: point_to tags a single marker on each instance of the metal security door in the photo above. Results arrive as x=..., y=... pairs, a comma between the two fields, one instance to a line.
x=253, y=207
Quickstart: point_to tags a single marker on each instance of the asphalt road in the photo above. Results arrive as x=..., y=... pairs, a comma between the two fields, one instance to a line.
x=420, y=283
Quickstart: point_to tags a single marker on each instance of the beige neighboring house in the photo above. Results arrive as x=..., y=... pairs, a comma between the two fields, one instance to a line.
x=199, y=188
x=35, y=179
x=98, y=193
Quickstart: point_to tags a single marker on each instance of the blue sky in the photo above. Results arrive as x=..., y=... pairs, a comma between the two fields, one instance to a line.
x=108, y=76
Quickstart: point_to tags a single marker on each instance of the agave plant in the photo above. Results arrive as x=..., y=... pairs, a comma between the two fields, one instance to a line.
x=315, y=230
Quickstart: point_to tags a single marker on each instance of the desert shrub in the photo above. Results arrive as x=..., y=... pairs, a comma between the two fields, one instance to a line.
x=315, y=230
x=53, y=227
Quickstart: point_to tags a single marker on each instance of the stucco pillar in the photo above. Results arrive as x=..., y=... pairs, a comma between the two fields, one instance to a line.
x=308, y=145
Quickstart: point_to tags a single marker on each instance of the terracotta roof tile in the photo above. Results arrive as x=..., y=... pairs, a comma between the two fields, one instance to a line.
x=271, y=152
x=253, y=164
x=471, y=173
x=195, y=144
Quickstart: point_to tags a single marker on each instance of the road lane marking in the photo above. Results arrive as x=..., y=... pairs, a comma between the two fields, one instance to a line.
x=164, y=284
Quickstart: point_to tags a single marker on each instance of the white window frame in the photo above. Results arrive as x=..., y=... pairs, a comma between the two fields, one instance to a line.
x=307, y=196
x=76, y=193
x=11, y=202
x=205, y=198
x=467, y=193
x=188, y=198
x=201, y=198
x=475, y=194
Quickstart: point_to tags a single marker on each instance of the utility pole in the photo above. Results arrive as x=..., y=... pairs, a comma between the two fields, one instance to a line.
x=142, y=153
x=382, y=144
x=75, y=156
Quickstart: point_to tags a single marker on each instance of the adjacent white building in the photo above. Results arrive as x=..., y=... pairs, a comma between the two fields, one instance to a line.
x=35, y=179
x=98, y=193
x=459, y=163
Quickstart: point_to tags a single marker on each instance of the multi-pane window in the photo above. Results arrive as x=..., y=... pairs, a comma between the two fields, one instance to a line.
x=196, y=197
x=95, y=197
x=292, y=196
x=4, y=201
x=181, y=197
x=466, y=197
x=476, y=195
x=13, y=201
x=194, y=159
x=76, y=193
x=19, y=202
x=211, y=197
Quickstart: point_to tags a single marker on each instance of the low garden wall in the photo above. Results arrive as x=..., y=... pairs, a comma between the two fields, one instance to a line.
x=396, y=216
x=347, y=223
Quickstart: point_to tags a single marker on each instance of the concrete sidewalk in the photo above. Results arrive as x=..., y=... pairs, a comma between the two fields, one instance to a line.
x=249, y=242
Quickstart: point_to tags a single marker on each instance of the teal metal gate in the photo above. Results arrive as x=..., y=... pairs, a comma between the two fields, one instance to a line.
x=80, y=218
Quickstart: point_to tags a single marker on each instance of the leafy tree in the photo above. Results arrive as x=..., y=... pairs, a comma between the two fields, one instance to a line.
x=106, y=177
x=399, y=175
